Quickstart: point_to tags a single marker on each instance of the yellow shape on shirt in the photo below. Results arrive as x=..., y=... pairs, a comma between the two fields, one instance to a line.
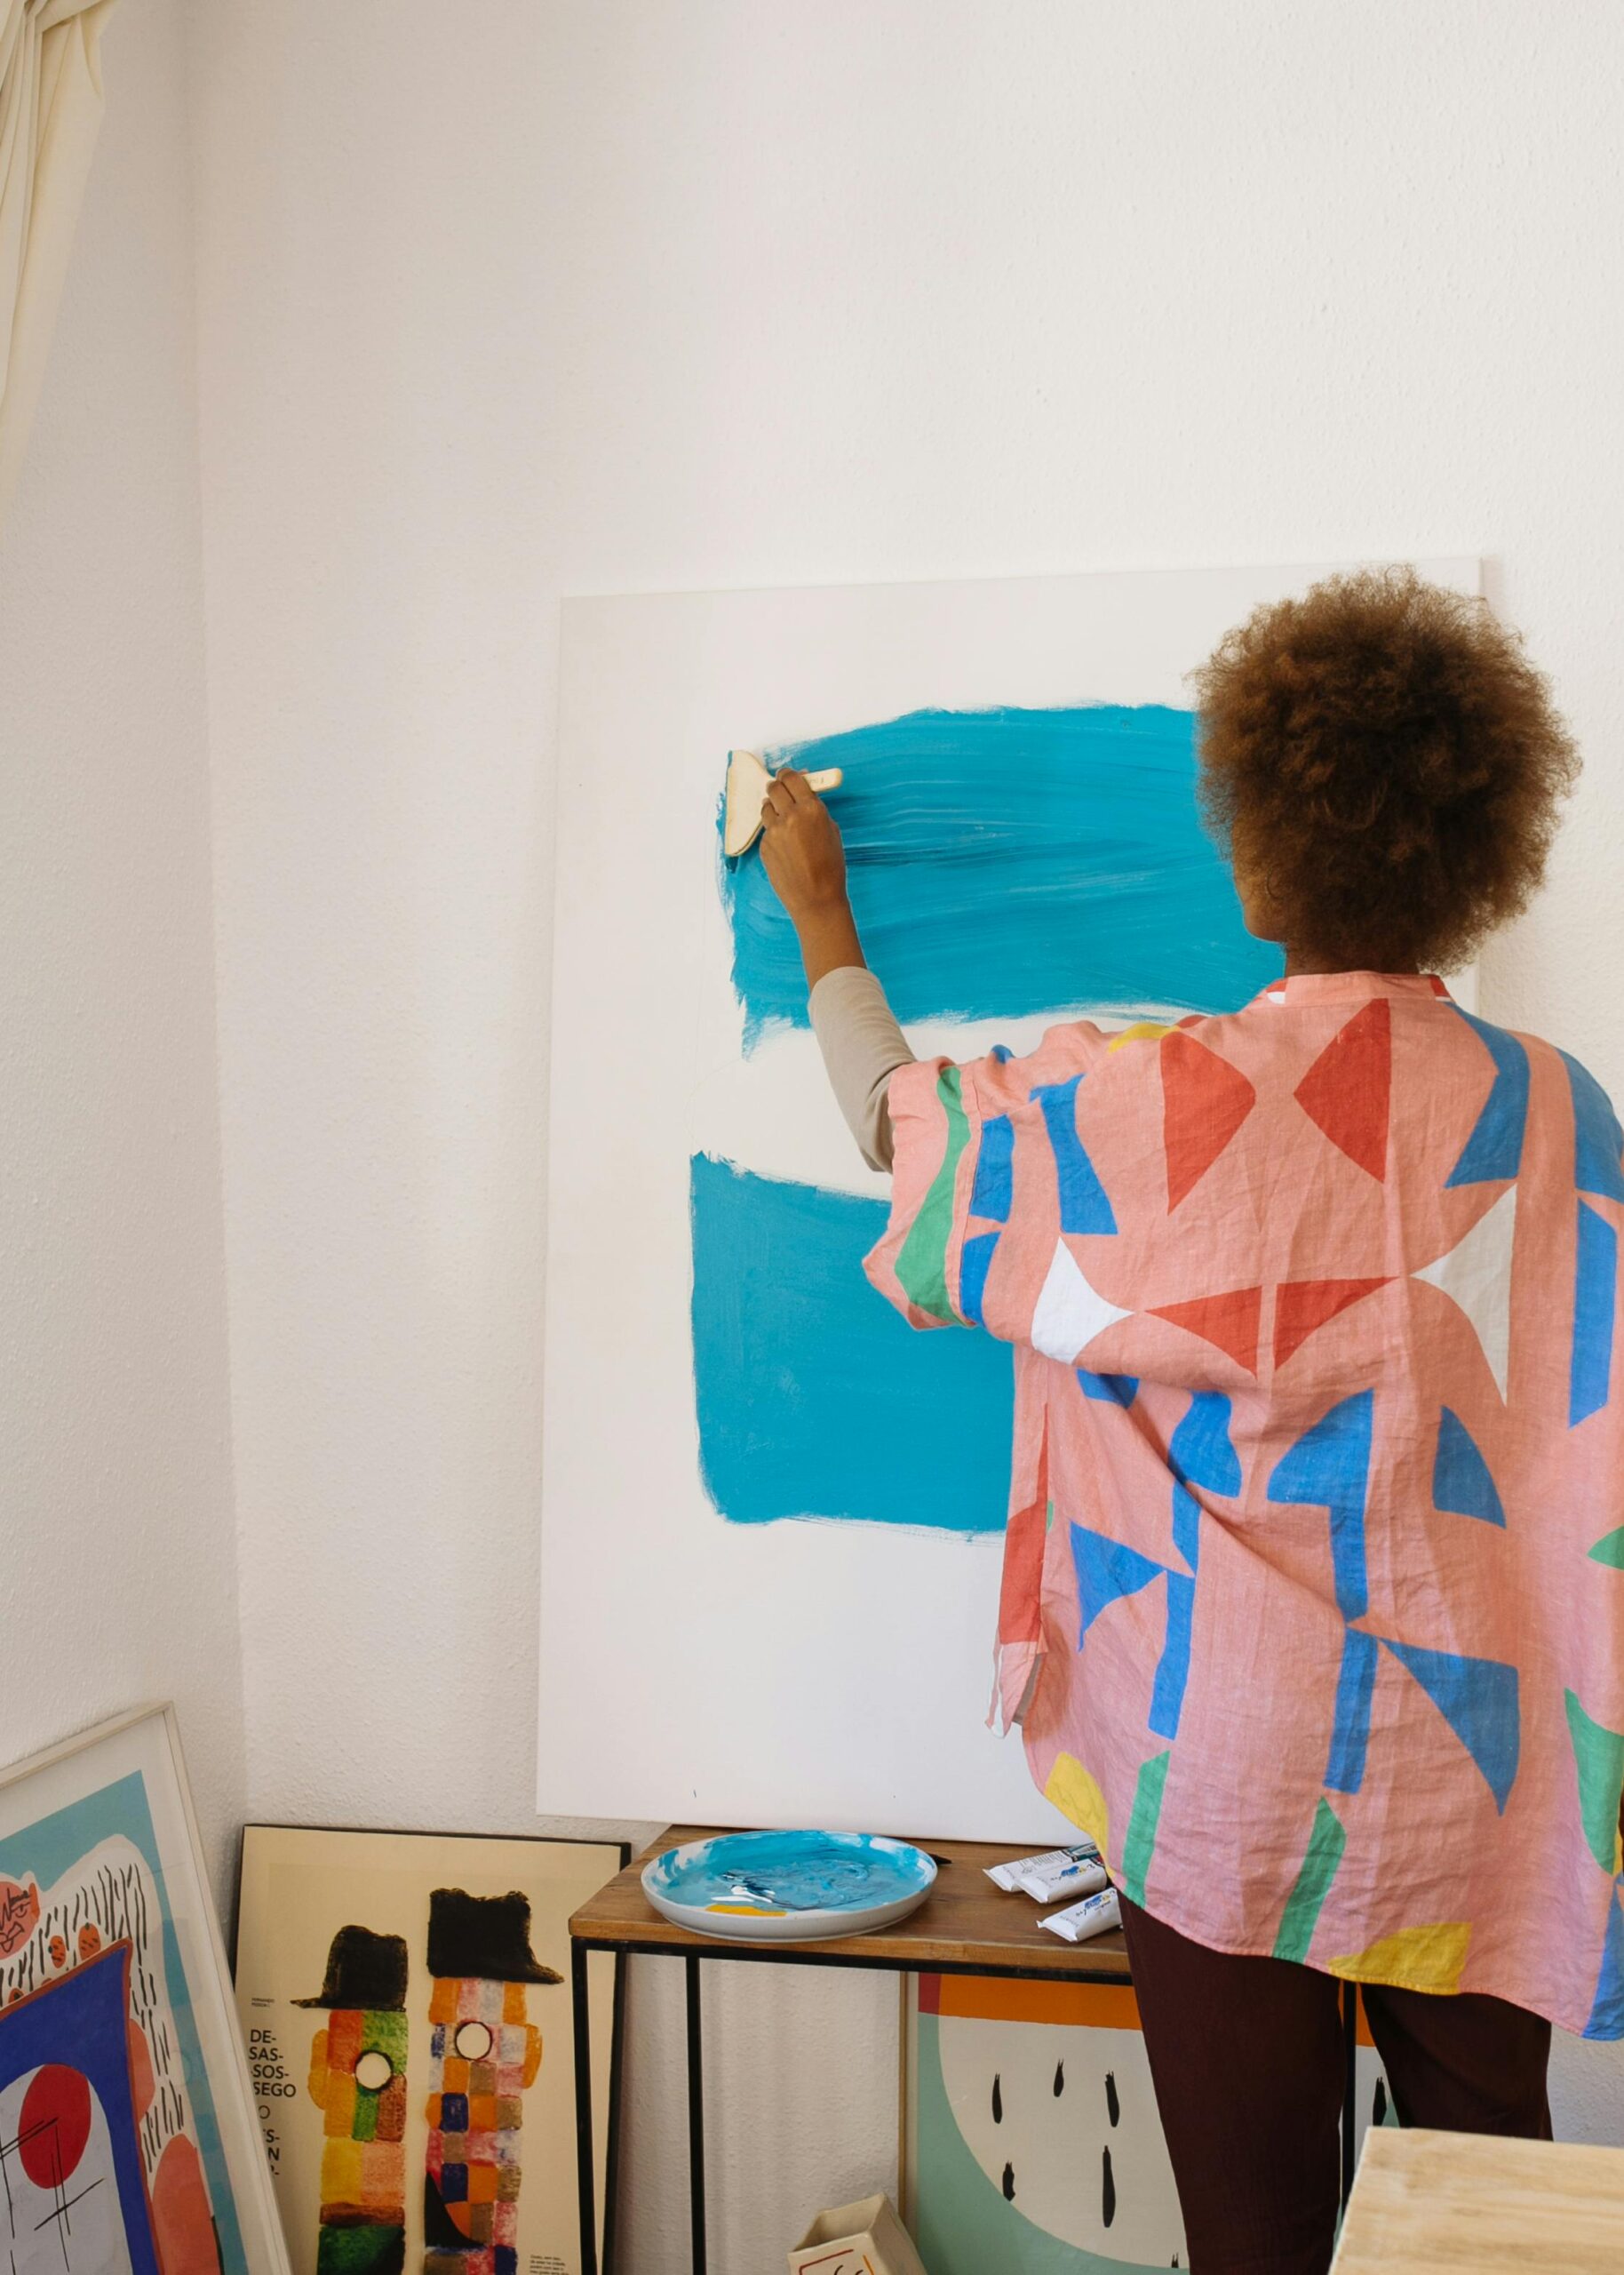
x=1076, y=1795
x=1416, y=1959
x=1142, y=1030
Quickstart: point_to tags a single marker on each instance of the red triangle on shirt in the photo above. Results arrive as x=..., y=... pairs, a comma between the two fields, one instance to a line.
x=1205, y=1100
x=1229, y=1321
x=1347, y=1087
x=1302, y=1305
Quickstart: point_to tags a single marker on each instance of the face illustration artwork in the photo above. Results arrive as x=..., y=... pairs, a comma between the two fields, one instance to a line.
x=358, y=2081
x=483, y=2053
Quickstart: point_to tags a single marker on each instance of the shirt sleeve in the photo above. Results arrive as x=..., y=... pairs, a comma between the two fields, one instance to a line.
x=862, y=1047
x=967, y=1141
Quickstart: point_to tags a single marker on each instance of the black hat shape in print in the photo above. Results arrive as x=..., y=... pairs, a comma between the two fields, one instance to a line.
x=484, y=1936
x=364, y=1971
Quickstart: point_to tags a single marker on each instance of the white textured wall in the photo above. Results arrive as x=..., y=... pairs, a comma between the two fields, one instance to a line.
x=504, y=302
x=117, y=1545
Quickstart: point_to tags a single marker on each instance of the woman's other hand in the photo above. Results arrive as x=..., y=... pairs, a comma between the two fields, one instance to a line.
x=806, y=864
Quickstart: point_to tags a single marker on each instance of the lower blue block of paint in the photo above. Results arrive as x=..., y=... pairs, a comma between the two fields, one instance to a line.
x=814, y=1398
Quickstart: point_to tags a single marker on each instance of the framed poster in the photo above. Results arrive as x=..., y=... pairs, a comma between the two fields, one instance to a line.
x=735, y=1423
x=404, y=1998
x=1030, y=2141
x=128, y=2144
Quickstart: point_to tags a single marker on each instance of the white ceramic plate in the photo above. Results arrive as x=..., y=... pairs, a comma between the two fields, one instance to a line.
x=789, y=1888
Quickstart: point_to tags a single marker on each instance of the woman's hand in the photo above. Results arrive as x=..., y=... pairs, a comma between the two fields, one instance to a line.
x=801, y=846
x=806, y=864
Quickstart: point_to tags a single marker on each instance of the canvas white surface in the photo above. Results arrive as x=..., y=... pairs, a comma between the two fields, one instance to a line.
x=796, y=1672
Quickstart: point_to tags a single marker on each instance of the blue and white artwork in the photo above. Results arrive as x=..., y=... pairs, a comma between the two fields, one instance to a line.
x=771, y=1516
x=1004, y=863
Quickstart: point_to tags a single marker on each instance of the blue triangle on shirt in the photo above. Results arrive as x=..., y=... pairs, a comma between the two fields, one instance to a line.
x=1607, y=2011
x=1494, y=1149
x=1328, y=1466
x=1461, y=1480
x=1478, y=1698
x=1106, y=1571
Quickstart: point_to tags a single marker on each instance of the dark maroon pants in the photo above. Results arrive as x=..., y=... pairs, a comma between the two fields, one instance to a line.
x=1247, y=2055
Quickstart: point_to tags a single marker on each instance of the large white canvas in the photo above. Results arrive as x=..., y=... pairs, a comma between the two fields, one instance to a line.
x=793, y=1673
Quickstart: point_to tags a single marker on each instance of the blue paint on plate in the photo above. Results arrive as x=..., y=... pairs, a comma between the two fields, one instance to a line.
x=794, y=1871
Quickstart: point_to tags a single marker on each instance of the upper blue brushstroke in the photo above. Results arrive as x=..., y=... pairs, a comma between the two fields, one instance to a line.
x=1008, y=861
x=814, y=1398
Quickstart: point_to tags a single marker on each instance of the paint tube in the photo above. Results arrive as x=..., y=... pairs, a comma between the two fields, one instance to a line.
x=1080, y=1873
x=1011, y=1875
x=1095, y=1915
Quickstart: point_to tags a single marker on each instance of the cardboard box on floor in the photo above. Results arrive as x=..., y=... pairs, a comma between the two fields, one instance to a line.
x=864, y=2238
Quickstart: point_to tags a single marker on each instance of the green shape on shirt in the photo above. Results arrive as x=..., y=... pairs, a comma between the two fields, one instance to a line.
x=922, y=1262
x=1610, y=1550
x=1140, y=1841
x=1301, y=1916
x=1598, y=1757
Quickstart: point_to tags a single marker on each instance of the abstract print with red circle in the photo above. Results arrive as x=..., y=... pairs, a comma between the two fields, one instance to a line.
x=73, y=2200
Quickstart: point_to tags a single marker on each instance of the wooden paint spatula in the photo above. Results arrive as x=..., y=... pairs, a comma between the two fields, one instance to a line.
x=748, y=782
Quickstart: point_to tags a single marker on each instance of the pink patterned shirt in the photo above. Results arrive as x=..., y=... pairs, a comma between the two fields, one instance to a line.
x=1313, y=1597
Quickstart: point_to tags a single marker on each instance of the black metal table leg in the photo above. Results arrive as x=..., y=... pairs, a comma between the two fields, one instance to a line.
x=584, y=2176
x=1350, y=2047
x=695, y=2115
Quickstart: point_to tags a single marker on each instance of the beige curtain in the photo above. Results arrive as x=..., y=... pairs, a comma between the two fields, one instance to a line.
x=50, y=114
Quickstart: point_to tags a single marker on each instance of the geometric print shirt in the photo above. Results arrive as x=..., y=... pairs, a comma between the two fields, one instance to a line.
x=1313, y=1594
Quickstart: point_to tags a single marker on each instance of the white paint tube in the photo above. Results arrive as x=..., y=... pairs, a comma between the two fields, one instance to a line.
x=1095, y=1915
x=1010, y=1876
x=1078, y=1874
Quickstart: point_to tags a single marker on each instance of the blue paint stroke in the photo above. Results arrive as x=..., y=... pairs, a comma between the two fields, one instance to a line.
x=1461, y=1483
x=1479, y=1700
x=1597, y=1138
x=1084, y=1207
x=1009, y=861
x=814, y=1398
x=1596, y=1276
x=1328, y=1468
x=1356, y=1686
x=1494, y=1149
x=1173, y=1668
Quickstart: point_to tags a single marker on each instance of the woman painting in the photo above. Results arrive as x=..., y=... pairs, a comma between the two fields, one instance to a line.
x=1313, y=1594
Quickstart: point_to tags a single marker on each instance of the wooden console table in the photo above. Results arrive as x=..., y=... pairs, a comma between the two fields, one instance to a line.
x=966, y=1926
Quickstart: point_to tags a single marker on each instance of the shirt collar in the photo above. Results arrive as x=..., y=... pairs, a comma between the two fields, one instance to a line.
x=1352, y=987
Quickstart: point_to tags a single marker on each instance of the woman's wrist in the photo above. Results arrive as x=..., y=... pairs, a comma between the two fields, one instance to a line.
x=827, y=931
